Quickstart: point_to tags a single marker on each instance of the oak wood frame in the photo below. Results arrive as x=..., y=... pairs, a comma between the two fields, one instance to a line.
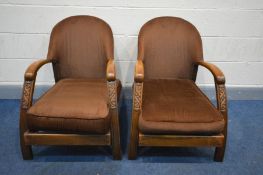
x=138, y=139
x=29, y=138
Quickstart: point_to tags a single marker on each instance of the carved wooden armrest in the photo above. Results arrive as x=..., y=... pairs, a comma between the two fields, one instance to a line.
x=139, y=72
x=217, y=73
x=31, y=71
x=219, y=84
x=29, y=83
x=110, y=71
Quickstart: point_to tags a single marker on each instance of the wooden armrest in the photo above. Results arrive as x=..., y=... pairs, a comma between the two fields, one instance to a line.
x=217, y=73
x=139, y=72
x=31, y=71
x=110, y=72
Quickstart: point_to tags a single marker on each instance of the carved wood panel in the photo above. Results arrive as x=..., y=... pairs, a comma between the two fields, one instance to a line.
x=137, y=96
x=112, y=94
x=222, y=97
x=27, y=93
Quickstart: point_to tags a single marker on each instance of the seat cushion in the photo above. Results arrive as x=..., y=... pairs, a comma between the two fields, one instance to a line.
x=77, y=105
x=177, y=107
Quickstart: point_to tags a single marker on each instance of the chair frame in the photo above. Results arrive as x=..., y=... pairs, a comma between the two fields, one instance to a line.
x=138, y=139
x=29, y=138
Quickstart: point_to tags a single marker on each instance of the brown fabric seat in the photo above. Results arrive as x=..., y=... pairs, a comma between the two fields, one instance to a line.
x=177, y=106
x=78, y=105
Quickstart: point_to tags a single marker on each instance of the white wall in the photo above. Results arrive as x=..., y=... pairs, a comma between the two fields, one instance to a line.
x=232, y=33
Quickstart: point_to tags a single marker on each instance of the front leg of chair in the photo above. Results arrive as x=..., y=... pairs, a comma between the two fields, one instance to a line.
x=26, y=102
x=222, y=107
x=115, y=126
x=134, y=135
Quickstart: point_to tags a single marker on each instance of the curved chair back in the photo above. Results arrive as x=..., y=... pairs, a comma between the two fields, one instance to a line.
x=81, y=46
x=168, y=46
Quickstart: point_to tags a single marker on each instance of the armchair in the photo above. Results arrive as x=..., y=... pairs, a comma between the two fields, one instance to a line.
x=82, y=107
x=169, y=110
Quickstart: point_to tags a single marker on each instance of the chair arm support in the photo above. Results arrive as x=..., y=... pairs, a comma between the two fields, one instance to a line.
x=29, y=83
x=112, y=88
x=217, y=73
x=110, y=71
x=219, y=85
x=31, y=71
x=139, y=72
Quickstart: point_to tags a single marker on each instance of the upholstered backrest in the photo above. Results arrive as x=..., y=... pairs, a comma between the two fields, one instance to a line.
x=80, y=47
x=168, y=46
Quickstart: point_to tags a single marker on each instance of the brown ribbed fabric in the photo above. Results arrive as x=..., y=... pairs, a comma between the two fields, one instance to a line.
x=73, y=105
x=81, y=46
x=168, y=46
x=177, y=107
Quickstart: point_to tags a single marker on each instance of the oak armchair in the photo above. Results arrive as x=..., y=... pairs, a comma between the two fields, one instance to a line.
x=169, y=110
x=82, y=107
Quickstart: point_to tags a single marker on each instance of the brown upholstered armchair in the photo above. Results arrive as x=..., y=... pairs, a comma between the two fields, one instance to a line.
x=168, y=108
x=82, y=107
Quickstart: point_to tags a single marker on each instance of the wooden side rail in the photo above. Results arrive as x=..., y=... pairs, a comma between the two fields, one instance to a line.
x=181, y=141
x=33, y=138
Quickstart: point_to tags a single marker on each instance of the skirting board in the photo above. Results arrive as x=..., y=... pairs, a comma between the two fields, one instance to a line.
x=233, y=92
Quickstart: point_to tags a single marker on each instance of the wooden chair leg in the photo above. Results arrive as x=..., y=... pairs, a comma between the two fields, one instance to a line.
x=133, y=146
x=115, y=125
x=220, y=151
x=115, y=135
x=222, y=107
x=134, y=136
x=219, y=154
x=116, y=149
x=25, y=149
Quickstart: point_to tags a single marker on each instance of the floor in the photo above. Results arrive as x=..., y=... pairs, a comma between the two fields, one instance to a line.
x=244, y=153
